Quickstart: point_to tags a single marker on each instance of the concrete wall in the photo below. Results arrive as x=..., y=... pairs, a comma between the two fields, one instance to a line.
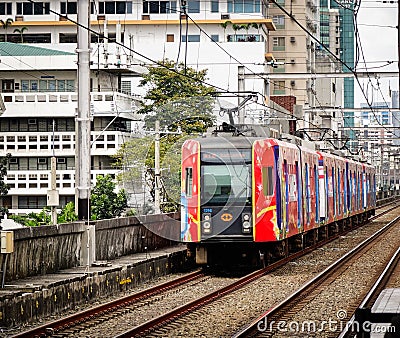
x=48, y=249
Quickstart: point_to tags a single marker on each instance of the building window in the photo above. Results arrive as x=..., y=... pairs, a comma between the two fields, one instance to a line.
x=159, y=7
x=280, y=66
x=126, y=87
x=245, y=38
x=69, y=7
x=47, y=85
x=68, y=38
x=214, y=37
x=278, y=43
x=279, y=88
x=28, y=38
x=191, y=38
x=244, y=6
x=193, y=6
x=5, y=8
x=115, y=7
x=32, y=202
x=170, y=37
x=279, y=21
x=214, y=6
x=37, y=8
x=280, y=2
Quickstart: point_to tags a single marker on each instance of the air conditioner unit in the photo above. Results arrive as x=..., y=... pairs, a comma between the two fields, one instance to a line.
x=225, y=16
x=19, y=18
x=292, y=83
x=61, y=160
x=292, y=39
x=13, y=160
x=145, y=17
x=42, y=160
x=32, y=121
x=101, y=17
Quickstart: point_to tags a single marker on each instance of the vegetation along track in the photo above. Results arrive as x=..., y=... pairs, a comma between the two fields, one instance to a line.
x=107, y=321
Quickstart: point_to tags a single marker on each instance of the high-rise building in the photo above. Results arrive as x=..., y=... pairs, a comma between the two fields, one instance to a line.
x=342, y=45
x=294, y=50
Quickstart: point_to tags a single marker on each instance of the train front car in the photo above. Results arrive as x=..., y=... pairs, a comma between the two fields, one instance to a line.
x=217, y=198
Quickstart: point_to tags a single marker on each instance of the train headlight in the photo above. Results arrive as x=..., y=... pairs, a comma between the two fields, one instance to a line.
x=246, y=223
x=207, y=223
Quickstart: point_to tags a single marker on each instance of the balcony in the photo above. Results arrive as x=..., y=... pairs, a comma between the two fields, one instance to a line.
x=64, y=104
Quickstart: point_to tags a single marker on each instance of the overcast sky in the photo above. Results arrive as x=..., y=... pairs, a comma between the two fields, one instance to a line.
x=376, y=22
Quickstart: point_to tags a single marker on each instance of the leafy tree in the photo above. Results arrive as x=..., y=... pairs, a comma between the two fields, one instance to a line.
x=3, y=186
x=67, y=214
x=177, y=101
x=174, y=97
x=105, y=202
x=21, y=31
x=5, y=24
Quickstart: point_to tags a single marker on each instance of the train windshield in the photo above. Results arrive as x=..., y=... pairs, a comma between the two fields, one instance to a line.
x=226, y=184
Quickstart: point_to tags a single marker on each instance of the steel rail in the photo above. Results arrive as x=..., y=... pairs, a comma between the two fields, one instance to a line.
x=186, y=308
x=310, y=285
x=374, y=291
x=81, y=316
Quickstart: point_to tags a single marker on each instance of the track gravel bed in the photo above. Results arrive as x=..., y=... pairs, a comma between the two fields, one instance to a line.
x=227, y=315
x=138, y=313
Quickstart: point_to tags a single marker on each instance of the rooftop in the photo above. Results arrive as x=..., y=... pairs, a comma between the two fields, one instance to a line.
x=19, y=49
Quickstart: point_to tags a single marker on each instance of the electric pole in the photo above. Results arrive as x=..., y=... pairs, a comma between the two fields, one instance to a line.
x=82, y=136
x=157, y=188
x=82, y=125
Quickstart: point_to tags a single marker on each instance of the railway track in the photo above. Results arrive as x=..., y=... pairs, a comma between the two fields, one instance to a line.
x=90, y=319
x=163, y=320
x=290, y=310
x=73, y=321
x=389, y=278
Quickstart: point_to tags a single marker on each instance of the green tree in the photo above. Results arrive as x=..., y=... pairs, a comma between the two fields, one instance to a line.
x=174, y=98
x=67, y=214
x=177, y=101
x=3, y=186
x=5, y=24
x=21, y=31
x=105, y=202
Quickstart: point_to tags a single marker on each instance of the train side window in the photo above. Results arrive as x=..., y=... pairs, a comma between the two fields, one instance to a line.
x=189, y=182
x=267, y=181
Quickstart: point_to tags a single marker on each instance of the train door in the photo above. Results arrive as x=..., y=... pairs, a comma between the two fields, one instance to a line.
x=317, y=199
x=190, y=185
x=364, y=190
x=285, y=202
x=307, y=219
x=322, y=190
x=339, y=192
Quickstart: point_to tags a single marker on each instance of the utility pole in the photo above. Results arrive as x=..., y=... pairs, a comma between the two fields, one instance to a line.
x=82, y=136
x=157, y=170
x=241, y=90
x=82, y=130
x=157, y=209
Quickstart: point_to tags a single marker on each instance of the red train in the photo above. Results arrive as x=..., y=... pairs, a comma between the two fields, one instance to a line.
x=250, y=200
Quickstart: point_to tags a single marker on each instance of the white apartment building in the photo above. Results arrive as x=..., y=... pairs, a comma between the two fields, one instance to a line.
x=217, y=35
x=294, y=50
x=39, y=90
